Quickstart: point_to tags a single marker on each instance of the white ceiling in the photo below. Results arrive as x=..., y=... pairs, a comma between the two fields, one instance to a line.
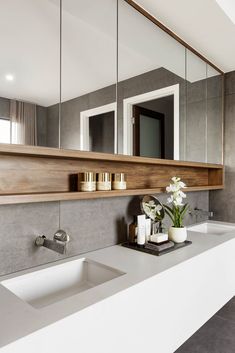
x=30, y=44
x=202, y=24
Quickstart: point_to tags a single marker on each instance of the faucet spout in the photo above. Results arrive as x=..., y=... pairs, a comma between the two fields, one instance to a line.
x=58, y=244
x=197, y=211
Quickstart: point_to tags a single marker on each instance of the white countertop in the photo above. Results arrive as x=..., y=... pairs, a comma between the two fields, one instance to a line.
x=21, y=319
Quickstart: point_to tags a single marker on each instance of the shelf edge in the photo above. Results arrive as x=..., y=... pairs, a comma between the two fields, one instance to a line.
x=66, y=196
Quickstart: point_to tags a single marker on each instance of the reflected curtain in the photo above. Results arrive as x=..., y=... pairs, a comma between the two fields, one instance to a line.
x=23, y=123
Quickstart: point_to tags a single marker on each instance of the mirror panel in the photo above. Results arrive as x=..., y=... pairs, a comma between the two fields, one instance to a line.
x=186, y=120
x=29, y=72
x=214, y=116
x=151, y=88
x=89, y=65
x=196, y=108
x=204, y=111
x=168, y=102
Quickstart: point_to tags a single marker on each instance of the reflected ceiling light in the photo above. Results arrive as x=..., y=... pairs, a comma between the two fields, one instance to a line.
x=9, y=77
x=228, y=6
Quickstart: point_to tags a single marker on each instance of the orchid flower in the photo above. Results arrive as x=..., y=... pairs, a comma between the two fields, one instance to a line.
x=178, y=209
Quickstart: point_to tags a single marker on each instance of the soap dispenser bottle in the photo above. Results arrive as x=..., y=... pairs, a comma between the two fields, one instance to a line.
x=133, y=231
x=141, y=232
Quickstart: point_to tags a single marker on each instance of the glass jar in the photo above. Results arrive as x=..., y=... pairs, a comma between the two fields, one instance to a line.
x=87, y=181
x=103, y=182
x=118, y=181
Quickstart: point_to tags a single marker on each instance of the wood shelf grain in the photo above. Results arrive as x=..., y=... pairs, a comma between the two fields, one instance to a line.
x=49, y=152
x=40, y=174
x=66, y=196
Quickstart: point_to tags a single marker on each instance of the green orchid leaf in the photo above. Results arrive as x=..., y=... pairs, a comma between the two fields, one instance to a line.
x=170, y=215
x=184, y=211
x=183, y=208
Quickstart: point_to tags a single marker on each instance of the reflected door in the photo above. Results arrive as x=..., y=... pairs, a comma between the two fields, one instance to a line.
x=148, y=133
x=101, y=132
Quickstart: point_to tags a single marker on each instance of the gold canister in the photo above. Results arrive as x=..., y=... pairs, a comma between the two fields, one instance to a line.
x=87, y=181
x=118, y=181
x=103, y=182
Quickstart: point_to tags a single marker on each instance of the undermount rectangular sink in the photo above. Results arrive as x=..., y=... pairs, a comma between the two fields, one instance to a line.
x=44, y=287
x=212, y=228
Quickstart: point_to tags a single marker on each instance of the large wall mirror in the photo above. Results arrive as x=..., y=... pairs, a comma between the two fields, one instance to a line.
x=99, y=76
x=169, y=99
x=88, y=81
x=30, y=72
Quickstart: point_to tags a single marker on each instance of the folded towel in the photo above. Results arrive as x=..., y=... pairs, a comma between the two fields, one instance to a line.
x=159, y=248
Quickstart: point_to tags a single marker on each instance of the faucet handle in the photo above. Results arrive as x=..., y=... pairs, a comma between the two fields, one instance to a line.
x=62, y=236
x=39, y=241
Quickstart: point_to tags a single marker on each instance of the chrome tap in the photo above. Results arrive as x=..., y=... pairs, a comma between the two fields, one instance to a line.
x=198, y=211
x=58, y=244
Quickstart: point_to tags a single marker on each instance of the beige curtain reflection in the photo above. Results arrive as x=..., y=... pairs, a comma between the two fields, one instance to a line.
x=23, y=123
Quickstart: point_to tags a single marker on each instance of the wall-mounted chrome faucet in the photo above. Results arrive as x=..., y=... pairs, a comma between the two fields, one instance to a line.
x=199, y=212
x=58, y=244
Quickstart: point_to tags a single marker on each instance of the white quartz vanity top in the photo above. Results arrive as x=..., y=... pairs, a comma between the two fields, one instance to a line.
x=19, y=319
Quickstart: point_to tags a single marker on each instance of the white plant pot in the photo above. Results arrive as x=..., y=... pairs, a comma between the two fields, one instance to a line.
x=177, y=235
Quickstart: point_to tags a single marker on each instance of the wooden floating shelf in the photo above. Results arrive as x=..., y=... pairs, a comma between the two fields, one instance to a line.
x=38, y=174
x=31, y=198
x=22, y=150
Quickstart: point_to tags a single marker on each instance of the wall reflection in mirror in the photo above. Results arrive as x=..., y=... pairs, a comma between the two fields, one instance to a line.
x=169, y=100
x=120, y=85
x=89, y=65
x=29, y=72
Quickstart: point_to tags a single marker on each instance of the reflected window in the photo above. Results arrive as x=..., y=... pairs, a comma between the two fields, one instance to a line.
x=5, y=130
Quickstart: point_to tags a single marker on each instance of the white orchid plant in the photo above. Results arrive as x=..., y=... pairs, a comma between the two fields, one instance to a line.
x=178, y=209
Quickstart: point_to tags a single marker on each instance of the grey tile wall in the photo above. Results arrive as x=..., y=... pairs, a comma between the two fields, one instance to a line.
x=41, y=126
x=92, y=224
x=222, y=202
x=70, y=114
x=196, y=131
x=4, y=107
x=53, y=126
x=197, y=114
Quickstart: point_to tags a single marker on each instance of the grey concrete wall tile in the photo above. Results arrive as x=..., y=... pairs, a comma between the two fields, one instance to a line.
x=53, y=126
x=91, y=224
x=41, y=125
x=230, y=131
x=214, y=86
x=70, y=114
x=214, y=130
x=196, y=91
x=4, y=107
x=223, y=201
x=196, y=132
x=94, y=224
x=20, y=224
x=230, y=82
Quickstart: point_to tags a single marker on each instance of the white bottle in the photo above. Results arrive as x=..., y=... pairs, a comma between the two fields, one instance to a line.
x=141, y=230
x=147, y=229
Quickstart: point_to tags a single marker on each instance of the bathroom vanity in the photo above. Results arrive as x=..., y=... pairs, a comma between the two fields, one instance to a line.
x=135, y=301
x=109, y=71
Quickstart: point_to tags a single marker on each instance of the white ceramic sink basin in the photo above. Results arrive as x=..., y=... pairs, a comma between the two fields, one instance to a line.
x=50, y=285
x=212, y=228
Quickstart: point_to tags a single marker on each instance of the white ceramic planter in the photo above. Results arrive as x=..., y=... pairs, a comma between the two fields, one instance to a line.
x=177, y=235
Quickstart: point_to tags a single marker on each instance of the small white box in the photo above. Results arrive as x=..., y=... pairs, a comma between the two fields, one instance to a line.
x=159, y=237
